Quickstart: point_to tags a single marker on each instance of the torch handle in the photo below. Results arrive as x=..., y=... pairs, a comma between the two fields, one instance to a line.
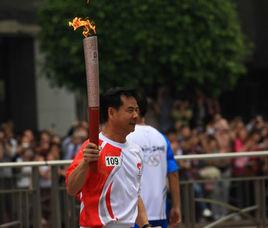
x=93, y=116
x=92, y=70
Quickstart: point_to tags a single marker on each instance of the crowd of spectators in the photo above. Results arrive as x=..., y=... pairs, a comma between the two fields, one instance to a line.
x=43, y=146
x=30, y=146
x=193, y=127
x=199, y=128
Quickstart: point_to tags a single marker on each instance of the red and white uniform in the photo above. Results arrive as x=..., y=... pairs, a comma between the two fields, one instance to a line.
x=109, y=196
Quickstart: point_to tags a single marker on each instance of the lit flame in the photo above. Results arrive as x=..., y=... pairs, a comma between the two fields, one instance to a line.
x=88, y=26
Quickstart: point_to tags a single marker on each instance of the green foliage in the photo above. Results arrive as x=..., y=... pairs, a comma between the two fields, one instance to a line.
x=147, y=43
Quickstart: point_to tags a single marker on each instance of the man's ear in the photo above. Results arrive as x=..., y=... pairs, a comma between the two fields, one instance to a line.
x=111, y=112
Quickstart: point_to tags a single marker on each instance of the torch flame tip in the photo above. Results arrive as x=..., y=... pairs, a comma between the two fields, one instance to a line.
x=88, y=27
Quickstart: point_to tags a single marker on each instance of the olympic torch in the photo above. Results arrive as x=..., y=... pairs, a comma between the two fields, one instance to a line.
x=90, y=44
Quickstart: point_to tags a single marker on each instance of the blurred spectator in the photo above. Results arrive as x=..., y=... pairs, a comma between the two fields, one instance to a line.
x=256, y=123
x=55, y=139
x=72, y=143
x=24, y=173
x=2, y=136
x=54, y=152
x=181, y=112
x=30, y=135
x=174, y=142
x=45, y=185
x=43, y=144
x=152, y=113
x=164, y=104
x=24, y=143
x=214, y=170
x=213, y=107
x=9, y=140
x=200, y=109
x=240, y=144
x=222, y=133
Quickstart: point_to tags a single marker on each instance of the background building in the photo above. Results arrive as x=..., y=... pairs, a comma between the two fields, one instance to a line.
x=26, y=97
x=249, y=96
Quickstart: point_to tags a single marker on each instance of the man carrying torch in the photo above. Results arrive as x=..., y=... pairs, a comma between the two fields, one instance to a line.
x=109, y=193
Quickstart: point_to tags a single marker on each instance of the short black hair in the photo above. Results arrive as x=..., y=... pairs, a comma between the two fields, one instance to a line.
x=112, y=98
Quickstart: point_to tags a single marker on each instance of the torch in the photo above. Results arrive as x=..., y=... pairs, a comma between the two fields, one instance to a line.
x=92, y=71
x=90, y=45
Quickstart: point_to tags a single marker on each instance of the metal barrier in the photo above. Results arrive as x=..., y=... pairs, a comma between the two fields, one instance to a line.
x=260, y=196
x=251, y=216
x=25, y=206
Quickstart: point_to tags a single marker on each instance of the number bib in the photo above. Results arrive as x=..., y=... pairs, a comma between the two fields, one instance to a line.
x=112, y=161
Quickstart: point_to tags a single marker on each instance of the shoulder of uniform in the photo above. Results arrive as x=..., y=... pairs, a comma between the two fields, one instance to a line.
x=134, y=147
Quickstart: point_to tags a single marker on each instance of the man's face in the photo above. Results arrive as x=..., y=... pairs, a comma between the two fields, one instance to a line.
x=126, y=116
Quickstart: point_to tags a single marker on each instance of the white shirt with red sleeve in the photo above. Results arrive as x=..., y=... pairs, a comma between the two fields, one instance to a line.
x=110, y=194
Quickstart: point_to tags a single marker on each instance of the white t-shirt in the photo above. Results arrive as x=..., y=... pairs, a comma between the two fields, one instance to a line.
x=24, y=178
x=110, y=195
x=157, y=162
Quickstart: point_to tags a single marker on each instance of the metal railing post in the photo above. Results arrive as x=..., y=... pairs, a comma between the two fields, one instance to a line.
x=26, y=222
x=55, y=205
x=185, y=206
x=188, y=205
x=36, y=202
x=260, y=198
x=66, y=209
x=192, y=204
x=20, y=208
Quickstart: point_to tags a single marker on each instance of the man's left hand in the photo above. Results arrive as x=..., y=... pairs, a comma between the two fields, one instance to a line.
x=174, y=216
